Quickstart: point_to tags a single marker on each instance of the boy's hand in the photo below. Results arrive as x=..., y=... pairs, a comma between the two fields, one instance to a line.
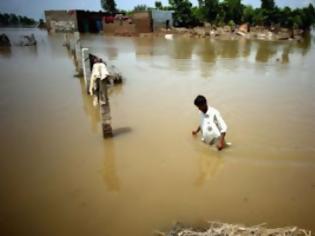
x=221, y=143
x=220, y=146
x=194, y=132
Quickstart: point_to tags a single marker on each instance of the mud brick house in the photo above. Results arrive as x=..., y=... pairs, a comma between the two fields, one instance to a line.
x=74, y=20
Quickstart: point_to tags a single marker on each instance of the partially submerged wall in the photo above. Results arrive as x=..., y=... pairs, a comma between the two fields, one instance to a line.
x=143, y=22
x=124, y=28
x=61, y=21
x=162, y=19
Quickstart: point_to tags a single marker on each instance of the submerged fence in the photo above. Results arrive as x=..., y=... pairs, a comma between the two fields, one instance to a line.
x=85, y=61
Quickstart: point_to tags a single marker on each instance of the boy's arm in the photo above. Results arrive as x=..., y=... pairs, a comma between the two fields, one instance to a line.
x=196, y=131
x=220, y=144
x=223, y=128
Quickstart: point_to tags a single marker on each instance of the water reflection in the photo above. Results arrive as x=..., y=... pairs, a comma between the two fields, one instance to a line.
x=116, y=89
x=111, y=52
x=56, y=50
x=182, y=48
x=208, y=168
x=305, y=44
x=228, y=48
x=32, y=50
x=285, y=54
x=143, y=46
x=245, y=47
x=90, y=111
x=110, y=176
x=5, y=52
x=209, y=50
x=265, y=51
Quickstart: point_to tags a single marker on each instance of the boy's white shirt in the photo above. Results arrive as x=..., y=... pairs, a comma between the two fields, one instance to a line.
x=99, y=70
x=212, y=125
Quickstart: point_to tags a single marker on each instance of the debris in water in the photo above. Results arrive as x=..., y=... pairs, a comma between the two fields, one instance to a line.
x=223, y=229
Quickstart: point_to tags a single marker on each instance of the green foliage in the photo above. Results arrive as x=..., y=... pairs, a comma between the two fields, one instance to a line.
x=234, y=10
x=158, y=5
x=183, y=14
x=198, y=14
x=231, y=23
x=268, y=4
x=211, y=9
x=14, y=20
x=248, y=14
x=109, y=5
x=141, y=7
x=308, y=16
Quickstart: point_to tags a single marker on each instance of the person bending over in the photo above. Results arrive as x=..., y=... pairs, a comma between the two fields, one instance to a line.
x=212, y=126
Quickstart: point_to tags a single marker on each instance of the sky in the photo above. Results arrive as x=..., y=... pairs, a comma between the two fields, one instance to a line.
x=35, y=8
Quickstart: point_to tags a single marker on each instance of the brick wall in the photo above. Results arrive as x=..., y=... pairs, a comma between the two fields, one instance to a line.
x=60, y=21
x=143, y=22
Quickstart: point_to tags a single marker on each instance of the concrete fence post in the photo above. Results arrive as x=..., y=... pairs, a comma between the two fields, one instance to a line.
x=77, y=51
x=105, y=109
x=85, y=76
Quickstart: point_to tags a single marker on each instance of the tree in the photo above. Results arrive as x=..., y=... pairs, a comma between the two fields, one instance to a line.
x=183, y=15
x=13, y=20
x=109, y=5
x=141, y=7
x=258, y=18
x=248, y=14
x=2, y=19
x=307, y=16
x=211, y=8
x=201, y=3
x=268, y=11
x=268, y=4
x=233, y=10
x=198, y=15
x=158, y=5
x=286, y=19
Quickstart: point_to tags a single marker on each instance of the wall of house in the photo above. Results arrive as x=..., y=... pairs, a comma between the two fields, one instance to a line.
x=119, y=28
x=161, y=19
x=61, y=21
x=140, y=22
x=90, y=21
x=143, y=22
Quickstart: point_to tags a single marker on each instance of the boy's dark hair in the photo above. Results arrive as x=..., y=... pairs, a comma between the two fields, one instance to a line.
x=200, y=100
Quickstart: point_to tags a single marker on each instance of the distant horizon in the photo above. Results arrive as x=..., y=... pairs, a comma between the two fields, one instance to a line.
x=22, y=7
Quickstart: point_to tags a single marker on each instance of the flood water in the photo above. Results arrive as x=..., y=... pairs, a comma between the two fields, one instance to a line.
x=59, y=177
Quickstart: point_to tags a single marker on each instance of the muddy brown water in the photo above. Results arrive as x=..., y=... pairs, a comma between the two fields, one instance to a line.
x=59, y=177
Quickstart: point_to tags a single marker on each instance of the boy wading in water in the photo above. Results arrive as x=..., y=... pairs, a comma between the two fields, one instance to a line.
x=212, y=125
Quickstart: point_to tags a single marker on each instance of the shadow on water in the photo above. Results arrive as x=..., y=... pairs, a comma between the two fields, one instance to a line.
x=121, y=131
